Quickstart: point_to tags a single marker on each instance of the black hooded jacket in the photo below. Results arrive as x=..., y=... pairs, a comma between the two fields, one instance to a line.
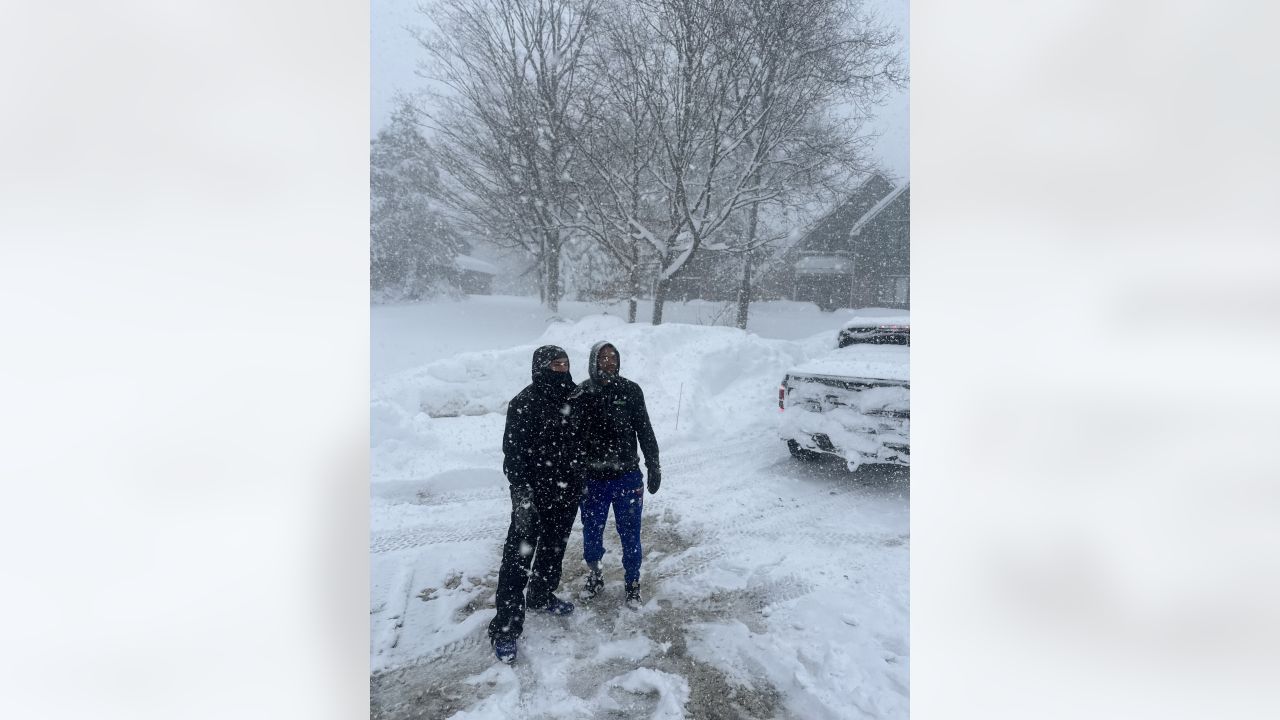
x=538, y=444
x=609, y=418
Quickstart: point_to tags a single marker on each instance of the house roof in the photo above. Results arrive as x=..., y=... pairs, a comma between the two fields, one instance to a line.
x=466, y=262
x=877, y=208
x=864, y=194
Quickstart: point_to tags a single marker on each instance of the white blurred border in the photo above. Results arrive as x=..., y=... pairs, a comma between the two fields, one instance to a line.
x=1096, y=308
x=183, y=220
x=184, y=223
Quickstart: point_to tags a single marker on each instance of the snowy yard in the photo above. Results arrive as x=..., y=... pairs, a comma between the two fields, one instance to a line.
x=773, y=588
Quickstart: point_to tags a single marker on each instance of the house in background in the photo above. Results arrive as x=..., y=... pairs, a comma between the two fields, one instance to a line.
x=857, y=255
x=474, y=276
x=708, y=275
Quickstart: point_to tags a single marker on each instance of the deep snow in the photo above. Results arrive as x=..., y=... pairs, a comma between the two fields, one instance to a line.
x=774, y=587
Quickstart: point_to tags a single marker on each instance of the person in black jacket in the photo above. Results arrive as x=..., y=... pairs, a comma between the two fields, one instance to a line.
x=609, y=417
x=539, y=455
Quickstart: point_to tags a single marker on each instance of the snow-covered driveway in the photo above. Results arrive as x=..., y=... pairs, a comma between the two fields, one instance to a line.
x=774, y=588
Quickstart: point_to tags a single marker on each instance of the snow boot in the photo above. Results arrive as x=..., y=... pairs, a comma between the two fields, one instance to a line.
x=595, y=583
x=634, y=601
x=505, y=650
x=555, y=606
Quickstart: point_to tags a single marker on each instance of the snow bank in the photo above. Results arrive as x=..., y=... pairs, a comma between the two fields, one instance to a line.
x=408, y=335
x=699, y=382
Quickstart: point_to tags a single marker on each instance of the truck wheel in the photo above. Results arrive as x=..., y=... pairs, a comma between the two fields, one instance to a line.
x=800, y=453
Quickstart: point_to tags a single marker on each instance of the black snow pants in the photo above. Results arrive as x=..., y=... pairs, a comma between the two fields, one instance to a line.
x=539, y=532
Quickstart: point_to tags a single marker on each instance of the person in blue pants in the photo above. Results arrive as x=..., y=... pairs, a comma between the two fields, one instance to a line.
x=609, y=417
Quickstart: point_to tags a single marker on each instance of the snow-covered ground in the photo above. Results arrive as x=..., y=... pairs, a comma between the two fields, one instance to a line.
x=774, y=588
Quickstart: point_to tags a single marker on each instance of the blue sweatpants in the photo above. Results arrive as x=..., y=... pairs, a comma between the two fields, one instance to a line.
x=626, y=495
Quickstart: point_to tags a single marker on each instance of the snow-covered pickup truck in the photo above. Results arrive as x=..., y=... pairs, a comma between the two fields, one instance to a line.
x=856, y=401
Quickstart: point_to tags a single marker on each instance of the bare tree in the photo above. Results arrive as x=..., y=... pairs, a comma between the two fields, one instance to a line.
x=812, y=55
x=688, y=88
x=617, y=144
x=503, y=116
x=658, y=129
x=737, y=100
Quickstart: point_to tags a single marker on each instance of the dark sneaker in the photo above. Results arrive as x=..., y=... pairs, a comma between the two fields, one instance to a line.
x=555, y=607
x=505, y=650
x=595, y=583
x=634, y=601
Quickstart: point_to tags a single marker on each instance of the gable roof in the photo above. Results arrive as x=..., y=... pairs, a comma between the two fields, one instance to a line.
x=860, y=200
x=474, y=264
x=877, y=208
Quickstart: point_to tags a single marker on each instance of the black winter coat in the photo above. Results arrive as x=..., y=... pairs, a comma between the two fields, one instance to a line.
x=609, y=417
x=538, y=444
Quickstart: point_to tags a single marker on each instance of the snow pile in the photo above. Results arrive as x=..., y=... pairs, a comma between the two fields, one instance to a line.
x=404, y=336
x=468, y=384
x=672, y=691
x=699, y=382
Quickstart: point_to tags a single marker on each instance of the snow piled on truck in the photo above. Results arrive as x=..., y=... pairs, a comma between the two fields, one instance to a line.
x=878, y=362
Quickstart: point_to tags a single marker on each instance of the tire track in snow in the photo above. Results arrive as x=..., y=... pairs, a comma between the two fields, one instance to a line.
x=459, y=498
x=691, y=460
x=432, y=687
x=473, y=646
x=687, y=564
x=787, y=531
x=792, y=516
x=431, y=535
x=754, y=598
x=398, y=599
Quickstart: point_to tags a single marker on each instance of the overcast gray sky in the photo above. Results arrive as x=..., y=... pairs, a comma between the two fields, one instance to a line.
x=394, y=55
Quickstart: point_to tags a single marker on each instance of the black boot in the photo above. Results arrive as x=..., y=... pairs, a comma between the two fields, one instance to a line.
x=595, y=583
x=634, y=601
x=555, y=606
x=504, y=649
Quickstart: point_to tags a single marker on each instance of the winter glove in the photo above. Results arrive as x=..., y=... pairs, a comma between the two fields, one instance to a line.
x=655, y=479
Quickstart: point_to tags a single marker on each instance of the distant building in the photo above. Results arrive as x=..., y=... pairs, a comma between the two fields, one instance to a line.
x=475, y=276
x=708, y=275
x=857, y=255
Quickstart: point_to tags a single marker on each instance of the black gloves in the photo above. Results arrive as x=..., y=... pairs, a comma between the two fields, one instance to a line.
x=655, y=479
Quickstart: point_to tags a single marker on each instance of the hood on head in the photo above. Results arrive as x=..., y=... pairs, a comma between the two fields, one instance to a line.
x=593, y=364
x=542, y=372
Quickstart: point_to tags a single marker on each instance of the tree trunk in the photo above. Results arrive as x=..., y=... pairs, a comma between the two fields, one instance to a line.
x=633, y=284
x=634, y=279
x=744, y=292
x=660, y=297
x=553, y=273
